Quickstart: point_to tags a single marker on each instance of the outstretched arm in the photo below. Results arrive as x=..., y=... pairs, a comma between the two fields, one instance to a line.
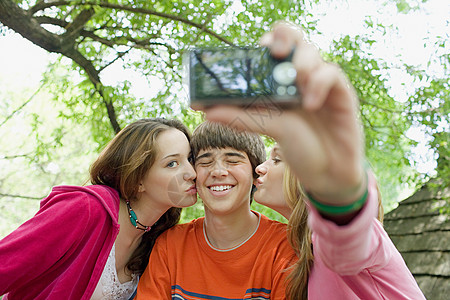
x=321, y=139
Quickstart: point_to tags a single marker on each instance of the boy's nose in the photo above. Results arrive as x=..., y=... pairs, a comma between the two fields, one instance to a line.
x=219, y=170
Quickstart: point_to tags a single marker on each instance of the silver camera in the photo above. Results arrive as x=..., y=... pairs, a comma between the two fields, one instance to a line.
x=240, y=76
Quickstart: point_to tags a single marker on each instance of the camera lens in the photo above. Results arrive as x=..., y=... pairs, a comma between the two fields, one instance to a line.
x=281, y=90
x=291, y=90
x=284, y=73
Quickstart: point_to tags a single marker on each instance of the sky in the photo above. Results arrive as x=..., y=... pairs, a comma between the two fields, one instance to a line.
x=22, y=63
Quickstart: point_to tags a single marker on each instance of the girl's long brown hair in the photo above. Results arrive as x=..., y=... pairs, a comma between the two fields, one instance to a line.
x=299, y=235
x=122, y=165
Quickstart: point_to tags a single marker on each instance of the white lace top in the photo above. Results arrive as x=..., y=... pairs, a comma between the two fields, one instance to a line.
x=109, y=286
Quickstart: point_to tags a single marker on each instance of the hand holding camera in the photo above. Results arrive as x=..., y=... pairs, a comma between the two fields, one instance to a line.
x=321, y=138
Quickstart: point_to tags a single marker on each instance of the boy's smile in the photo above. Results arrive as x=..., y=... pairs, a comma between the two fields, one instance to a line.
x=220, y=189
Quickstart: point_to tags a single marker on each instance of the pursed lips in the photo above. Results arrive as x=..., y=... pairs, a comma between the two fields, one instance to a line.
x=259, y=182
x=192, y=189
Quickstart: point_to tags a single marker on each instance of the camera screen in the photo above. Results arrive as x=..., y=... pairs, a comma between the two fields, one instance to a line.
x=235, y=73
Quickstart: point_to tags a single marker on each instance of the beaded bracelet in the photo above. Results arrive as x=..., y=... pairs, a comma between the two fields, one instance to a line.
x=340, y=210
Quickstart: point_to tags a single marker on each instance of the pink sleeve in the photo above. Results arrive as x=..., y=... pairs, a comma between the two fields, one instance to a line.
x=349, y=249
x=38, y=244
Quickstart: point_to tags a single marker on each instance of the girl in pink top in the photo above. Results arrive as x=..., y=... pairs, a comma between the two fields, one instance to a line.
x=352, y=261
x=92, y=242
x=321, y=140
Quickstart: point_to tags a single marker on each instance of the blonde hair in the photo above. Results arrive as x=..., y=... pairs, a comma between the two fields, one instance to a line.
x=299, y=236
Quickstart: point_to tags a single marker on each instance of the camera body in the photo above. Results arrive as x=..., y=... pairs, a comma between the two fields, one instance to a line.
x=240, y=76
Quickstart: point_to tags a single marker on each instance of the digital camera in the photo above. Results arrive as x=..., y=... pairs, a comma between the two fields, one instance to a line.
x=240, y=76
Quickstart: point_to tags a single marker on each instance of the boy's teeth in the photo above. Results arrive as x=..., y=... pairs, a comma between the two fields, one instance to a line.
x=219, y=188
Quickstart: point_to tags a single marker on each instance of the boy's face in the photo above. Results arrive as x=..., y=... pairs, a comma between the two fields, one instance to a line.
x=224, y=180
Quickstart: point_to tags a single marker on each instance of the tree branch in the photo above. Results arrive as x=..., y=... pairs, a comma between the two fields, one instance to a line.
x=160, y=14
x=22, y=22
x=18, y=20
x=16, y=156
x=119, y=55
x=139, y=10
x=49, y=20
x=20, y=196
x=74, y=28
x=41, y=5
x=83, y=32
x=23, y=105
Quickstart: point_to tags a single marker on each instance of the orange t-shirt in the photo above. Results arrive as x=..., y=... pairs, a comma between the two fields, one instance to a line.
x=183, y=265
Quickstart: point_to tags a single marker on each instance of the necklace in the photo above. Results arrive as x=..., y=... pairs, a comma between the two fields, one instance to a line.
x=234, y=247
x=134, y=220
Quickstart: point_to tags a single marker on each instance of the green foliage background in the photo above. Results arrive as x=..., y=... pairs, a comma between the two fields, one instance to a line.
x=50, y=135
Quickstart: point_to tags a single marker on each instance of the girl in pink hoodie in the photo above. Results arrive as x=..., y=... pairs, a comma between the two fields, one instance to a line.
x=92, y=242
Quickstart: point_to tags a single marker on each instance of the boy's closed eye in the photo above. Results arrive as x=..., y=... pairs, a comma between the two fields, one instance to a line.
x=233, y=161
x=203, y=162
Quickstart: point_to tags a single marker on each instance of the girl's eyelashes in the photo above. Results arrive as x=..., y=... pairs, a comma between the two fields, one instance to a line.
x=172, y=164
x=276, y=160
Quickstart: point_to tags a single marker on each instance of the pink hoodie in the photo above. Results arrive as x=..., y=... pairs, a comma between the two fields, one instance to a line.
x=60, y=253
x=358, y=260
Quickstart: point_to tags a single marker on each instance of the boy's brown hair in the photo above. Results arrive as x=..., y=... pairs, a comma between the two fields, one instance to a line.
x=209, y=135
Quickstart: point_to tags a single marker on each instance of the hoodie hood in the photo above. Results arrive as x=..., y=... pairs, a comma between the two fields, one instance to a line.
x=106, y=195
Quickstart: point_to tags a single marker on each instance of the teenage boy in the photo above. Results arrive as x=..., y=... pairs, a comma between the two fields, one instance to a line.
x=232, y=252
